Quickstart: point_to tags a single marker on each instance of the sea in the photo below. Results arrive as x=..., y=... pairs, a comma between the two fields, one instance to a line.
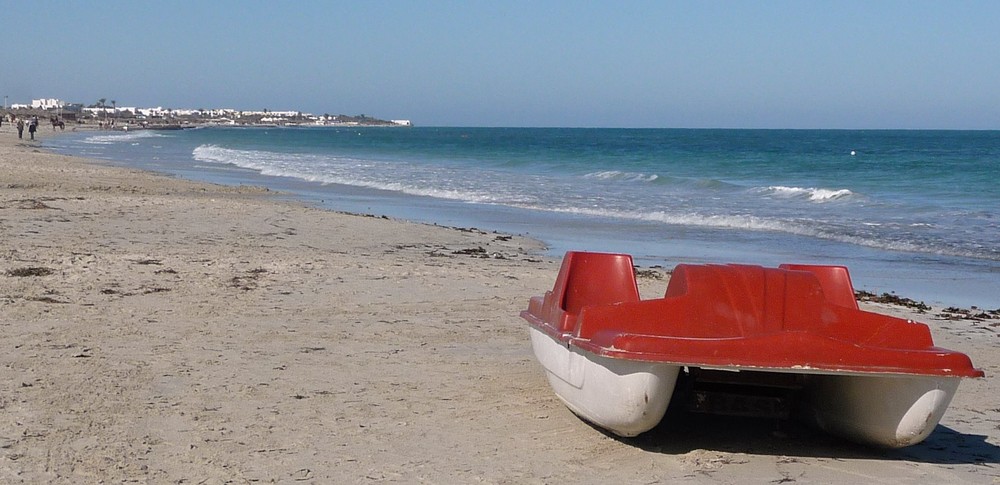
x=914, y=213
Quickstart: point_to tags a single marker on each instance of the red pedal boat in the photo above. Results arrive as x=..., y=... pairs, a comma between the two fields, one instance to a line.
x=742, y=340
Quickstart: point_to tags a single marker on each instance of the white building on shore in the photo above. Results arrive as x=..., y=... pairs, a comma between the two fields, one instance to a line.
x=216, y=115
x=109, y=111
x=47, y=103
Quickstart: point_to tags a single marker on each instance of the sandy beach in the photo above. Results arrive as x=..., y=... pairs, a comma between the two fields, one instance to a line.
x=157, y=330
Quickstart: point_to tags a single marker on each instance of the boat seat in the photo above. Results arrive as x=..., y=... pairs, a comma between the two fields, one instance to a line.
x=598, y=279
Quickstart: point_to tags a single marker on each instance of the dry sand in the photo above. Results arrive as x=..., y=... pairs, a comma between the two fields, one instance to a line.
x=156, y=330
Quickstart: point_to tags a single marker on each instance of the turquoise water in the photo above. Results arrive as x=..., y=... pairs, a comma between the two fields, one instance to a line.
x=917, y=212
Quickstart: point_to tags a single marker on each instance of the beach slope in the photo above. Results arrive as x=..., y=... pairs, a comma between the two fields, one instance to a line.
x=159, y=330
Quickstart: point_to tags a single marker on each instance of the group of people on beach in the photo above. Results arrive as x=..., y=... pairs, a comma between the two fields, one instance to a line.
x=32, y=125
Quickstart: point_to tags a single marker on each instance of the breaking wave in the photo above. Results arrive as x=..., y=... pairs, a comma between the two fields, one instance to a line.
x=797, y=227
x=622, y=176
x=818, y=195
x=119, y=137
x=344, y=171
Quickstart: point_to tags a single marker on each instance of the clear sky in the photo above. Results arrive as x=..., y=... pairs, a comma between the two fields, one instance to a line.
x=734, y=64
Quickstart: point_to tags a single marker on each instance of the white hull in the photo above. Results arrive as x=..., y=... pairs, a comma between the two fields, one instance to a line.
x=623, y=396
x=887, y=411
x=630, y=397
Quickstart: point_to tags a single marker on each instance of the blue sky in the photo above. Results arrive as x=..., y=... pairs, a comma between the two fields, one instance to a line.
x=777, y=64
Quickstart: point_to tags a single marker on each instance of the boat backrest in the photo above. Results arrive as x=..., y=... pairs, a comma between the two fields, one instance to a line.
x=719, y=300
x=596, y=279
x=835, y=281
x=742, y=300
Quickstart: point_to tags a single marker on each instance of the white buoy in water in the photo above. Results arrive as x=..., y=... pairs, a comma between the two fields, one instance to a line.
x=853, y=153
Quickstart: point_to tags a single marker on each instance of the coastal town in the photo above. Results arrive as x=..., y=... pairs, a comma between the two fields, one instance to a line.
x=107, y=114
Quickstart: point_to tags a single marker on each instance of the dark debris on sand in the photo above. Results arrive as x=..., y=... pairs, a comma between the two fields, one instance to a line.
x=647, y=273
x=248, y=281
x=30, y=271
x=974, y=313
x=950, y=313
x=479, y=252
x=891, y=299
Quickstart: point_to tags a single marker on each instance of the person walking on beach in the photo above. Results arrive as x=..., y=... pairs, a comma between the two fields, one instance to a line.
x=20, y=128
x=33, y=126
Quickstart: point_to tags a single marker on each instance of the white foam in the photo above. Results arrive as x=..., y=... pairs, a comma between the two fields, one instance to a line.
x=112, y=138
x=763, y=224
x=744, y=222
x=821, y=195
x=812, y=194
x=619, y=175
x=330, y=170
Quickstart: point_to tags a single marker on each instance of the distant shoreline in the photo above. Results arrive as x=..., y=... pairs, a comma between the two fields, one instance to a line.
x=939, y=308
x=126, y=119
